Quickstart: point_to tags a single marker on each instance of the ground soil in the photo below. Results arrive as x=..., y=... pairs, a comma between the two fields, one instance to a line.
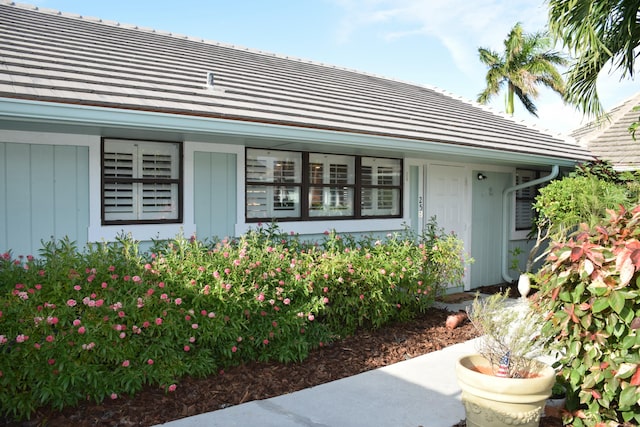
x=364, y=351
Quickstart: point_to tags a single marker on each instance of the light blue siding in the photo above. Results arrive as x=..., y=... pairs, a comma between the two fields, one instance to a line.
x=44, y=195
x=414, y=178
x=486, y=232
x=215, y=194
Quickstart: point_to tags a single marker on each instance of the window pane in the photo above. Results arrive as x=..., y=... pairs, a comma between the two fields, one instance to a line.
x=331, y=201
x=159, y=201
x=376, y=171
x=331, y=169
x=380, y=201
x=267, y=202
x=273, y=166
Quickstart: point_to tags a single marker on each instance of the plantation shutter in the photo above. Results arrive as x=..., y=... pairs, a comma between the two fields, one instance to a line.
x=524, y=200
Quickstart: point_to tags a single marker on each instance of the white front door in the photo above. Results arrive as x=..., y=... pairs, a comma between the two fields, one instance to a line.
x=447, y=199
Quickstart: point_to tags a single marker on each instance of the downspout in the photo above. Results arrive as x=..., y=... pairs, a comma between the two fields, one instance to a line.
x=506, y=223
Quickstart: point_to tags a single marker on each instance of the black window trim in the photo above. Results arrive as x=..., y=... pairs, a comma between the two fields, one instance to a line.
x=305, y=185
x=179, y=181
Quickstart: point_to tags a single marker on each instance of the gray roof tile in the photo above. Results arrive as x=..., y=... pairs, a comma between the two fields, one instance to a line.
x=49, y=56
x=609, y=139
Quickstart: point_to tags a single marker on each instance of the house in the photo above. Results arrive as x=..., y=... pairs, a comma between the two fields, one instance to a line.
x=609, y=139
x=108, y=128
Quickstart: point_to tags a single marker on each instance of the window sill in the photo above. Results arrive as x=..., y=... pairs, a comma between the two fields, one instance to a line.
x=142, y=232
x=340, y=226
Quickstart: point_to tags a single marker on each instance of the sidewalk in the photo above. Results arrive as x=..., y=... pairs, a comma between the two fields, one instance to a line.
x=422, y=391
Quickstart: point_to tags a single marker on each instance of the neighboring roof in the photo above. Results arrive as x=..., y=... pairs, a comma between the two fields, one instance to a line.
x=609, y=139
x=54, y=57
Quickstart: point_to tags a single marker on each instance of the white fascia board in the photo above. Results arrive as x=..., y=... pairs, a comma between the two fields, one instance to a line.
x=71, y=114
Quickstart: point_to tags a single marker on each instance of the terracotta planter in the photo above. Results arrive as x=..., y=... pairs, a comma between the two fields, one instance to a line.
x=491, y=401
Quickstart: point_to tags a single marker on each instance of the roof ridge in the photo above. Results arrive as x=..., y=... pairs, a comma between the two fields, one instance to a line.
x=598, y=127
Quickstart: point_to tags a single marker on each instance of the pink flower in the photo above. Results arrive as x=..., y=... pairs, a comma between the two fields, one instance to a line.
x=21, y=338
x=71, y=303
x=178, y=301
x=265, y=341
x=163, y=296
x=286, y=301
x=36, y=346
x=260, y=297
x=114, y=396
x=361, y=296
x=172, y=387
x=192, y=339
x=121, y=314
x=194, y=326
x=311, y=317
x=51, y=361
x=186, y=348
x=211, y=315
x=77, y=287
x=234, y=349
x=125, y=364
x=49, y=338
x=82, y=330
x=161, y=285
x=145, y=324
x=122, y=335
x=99, y=303
x=158, y=321
x=150, y=292
x=150, y=362
x=104, y=285
x=76, y=322
x=187, y=317
x=136, y=279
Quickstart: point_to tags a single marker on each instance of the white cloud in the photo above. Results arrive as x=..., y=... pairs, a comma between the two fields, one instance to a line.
x=459, y=25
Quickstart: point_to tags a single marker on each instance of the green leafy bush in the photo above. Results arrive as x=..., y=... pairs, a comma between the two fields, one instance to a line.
x=108, y=320
x=590, y=288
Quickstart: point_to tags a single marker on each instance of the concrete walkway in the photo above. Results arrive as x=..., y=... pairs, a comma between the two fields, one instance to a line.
x=422, y=391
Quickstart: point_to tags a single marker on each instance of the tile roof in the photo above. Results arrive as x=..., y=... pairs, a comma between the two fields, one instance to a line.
x=609, y=139
x=51, y=56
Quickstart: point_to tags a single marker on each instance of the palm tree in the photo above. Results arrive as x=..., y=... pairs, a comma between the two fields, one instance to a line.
x=526, y=63
x=597, y=32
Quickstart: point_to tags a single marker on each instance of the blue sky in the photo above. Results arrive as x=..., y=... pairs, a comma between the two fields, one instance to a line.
x=428, y=42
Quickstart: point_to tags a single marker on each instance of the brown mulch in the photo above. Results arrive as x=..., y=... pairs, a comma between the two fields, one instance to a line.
x=365, y=351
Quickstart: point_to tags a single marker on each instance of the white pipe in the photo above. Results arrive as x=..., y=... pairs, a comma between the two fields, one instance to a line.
x=506, y=223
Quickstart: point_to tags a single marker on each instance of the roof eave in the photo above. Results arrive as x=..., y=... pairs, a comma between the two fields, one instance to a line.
x=83, y=115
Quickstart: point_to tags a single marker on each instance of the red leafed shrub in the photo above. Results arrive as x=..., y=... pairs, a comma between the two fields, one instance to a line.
x=589, y=286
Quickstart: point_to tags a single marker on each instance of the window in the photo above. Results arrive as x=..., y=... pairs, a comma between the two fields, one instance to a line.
x=273, y=184
x=332, y=186
x=525, y=198
x=141, y=182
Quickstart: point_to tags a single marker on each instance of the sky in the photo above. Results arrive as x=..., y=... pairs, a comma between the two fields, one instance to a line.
x=427, y=42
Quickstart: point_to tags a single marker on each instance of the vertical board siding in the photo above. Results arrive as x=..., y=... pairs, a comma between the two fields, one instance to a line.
x=215, y=194
x=45, y=195
x=486, y=234
x=414, y=178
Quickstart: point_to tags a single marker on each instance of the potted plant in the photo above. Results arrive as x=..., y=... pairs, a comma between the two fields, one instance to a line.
x=505, y=384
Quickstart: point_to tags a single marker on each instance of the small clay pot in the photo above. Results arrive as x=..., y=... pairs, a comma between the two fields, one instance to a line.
x=455, y=320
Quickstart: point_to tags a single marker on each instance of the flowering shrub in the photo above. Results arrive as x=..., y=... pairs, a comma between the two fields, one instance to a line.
x=106, y=321
x=590, y=287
